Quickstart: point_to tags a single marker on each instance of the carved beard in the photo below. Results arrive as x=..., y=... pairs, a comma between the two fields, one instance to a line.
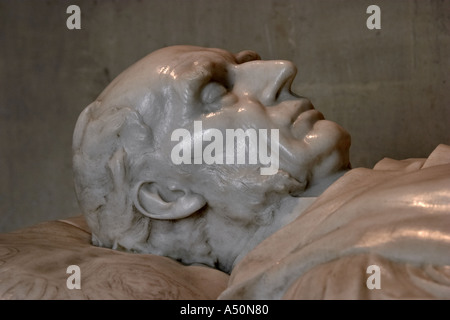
x=239, y=195
x=184, y=240
x=245, y=196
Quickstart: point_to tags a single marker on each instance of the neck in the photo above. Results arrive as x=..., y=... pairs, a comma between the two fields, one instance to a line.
x=213, y=239
x=289, y=209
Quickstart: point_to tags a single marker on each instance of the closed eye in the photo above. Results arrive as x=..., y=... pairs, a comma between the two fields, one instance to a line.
x=214, y=96
x=213, y=92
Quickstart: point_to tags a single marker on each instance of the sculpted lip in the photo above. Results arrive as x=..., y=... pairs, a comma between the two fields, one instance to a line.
x=302, y=105
x=305, y=122
x=302, y=118
x=294, y=107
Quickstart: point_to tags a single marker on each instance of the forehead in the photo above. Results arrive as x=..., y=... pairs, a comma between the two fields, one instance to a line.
x=188, y=70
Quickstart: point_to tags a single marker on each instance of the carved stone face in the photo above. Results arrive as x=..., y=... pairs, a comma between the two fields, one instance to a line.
x=227, y=91
x=124, y=146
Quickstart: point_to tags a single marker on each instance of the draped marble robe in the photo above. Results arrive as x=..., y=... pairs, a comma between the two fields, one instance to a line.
x=396, y=217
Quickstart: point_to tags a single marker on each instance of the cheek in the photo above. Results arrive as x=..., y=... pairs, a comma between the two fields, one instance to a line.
x=242, y=115
x=231, y=192
x=237, y=207
x=253, y=115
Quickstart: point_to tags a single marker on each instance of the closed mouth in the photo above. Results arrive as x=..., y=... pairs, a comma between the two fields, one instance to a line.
x=305, y=122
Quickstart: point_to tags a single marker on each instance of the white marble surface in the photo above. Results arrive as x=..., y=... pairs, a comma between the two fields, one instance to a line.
x=396, y=216
x=34, y=262
x=137, y=198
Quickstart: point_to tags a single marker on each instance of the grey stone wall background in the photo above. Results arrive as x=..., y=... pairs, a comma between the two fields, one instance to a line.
x=389, y=88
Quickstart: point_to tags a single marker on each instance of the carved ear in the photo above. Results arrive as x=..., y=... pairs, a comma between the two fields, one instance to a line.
x=166, y=203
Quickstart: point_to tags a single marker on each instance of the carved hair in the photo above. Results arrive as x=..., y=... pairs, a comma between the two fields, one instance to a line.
x=103, y=172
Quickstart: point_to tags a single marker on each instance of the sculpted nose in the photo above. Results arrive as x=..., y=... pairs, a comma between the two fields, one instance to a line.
x=267, y=81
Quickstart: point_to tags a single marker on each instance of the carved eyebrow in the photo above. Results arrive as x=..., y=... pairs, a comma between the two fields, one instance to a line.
x=207, y=71
x=246, y=56
x=219, y=72
x=196, y=70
